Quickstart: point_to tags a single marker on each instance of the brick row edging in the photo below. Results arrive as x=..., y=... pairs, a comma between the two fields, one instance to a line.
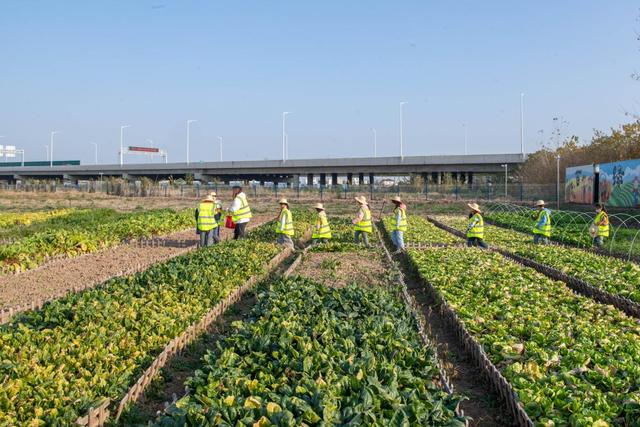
x=579, y=286
x=411, y=306
x=99, y=415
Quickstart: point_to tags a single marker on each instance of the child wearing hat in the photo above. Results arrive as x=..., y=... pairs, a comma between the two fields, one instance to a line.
x=475, y=229
x=206, y=223
x=400, y=223
x=362, y=224
x=284, y=229
x=321, y=229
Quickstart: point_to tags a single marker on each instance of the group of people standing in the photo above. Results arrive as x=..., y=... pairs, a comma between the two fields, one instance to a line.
x=210, y=216
x=541, y=228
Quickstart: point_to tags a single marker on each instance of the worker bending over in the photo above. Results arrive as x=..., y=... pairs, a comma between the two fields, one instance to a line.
x=206, y=222
x=284, y=228
x=399, y=224
x=362, y=225
x=602, y=222
x=542, y=228
x=475, y=229
x=321, y=230
x=240, y=212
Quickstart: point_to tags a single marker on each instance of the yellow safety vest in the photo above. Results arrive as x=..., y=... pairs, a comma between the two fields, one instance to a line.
x=603, y=230
x=288, y=224
x=365, y=223
x=244, y=211
x=321, y=229
x=545, y=230
x=402, y=225
x=206, y=218
x=477, y=230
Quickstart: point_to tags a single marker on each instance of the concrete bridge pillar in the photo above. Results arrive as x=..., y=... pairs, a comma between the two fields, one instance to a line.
x=334, y=179
x=323, y=179
x=309, y=179
x=371, y=179
x=349, y=179
x=361, y=178
x=470, y=178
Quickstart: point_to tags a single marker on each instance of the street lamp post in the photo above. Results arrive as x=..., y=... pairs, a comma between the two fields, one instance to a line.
x=220, y=139
x=189, y=136
x=401, y=129
x=284, y=135
x=506, y=179
x=122, y=128
x=95, y=152
x=53, y=132
x=150, y=141
x=375, y=142
x=522, y=124
x=558, y=181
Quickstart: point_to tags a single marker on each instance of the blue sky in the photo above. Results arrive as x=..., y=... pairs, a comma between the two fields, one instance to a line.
x=84, y=68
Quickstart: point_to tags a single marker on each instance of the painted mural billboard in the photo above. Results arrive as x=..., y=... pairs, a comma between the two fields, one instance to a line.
x=578, y=185
x=620, y=183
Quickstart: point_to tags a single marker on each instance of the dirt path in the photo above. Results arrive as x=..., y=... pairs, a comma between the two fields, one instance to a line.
x=61, y=276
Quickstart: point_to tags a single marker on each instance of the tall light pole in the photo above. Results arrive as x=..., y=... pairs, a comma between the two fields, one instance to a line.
x=189, y=136
x=53, y=132
x=95, y=146
x=464, y=125
x=558, y=181
x=506, y=177
x=375, y=142
x=220, y=139
x=122, y=128
x=522, y=124
x=401, y=129
x=284, y=135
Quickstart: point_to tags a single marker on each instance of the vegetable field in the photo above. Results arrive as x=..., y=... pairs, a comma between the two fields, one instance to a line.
x=82, y=231
x=331, y=333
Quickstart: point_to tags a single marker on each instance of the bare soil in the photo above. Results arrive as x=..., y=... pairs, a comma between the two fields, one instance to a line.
x=61, y=276
x=339, y=269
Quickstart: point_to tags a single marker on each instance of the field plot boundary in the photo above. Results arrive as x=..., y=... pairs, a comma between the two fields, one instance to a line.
x=99, y=415
x=474, y=349
x=579, y=286
x=7, y=313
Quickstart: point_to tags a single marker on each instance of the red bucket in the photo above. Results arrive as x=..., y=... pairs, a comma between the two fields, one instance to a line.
x=229, y=222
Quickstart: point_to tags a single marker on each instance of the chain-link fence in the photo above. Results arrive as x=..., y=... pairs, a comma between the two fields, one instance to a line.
x=485, y=191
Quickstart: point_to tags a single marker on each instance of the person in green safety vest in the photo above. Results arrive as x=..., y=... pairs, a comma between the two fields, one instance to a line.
x=399, y=223
x=321, y=230
x=206, y=222
x=602, y=222
x=284, y=227
x=542, y=227
x=475, y=229
x=362, y=224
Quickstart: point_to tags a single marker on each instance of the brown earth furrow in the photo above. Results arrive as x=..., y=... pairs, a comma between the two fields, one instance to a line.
x=62, y=276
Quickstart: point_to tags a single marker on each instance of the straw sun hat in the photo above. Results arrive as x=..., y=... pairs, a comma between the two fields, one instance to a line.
x=283, y=202
x=540, y=203
x=474, y=206
x=361, y=200
x=319, y=206
x=396, y=199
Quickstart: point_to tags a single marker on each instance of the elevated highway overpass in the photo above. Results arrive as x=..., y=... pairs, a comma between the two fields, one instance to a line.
x=323, y=171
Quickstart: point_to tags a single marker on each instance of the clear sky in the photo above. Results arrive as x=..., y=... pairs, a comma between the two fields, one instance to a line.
x=86, y=67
